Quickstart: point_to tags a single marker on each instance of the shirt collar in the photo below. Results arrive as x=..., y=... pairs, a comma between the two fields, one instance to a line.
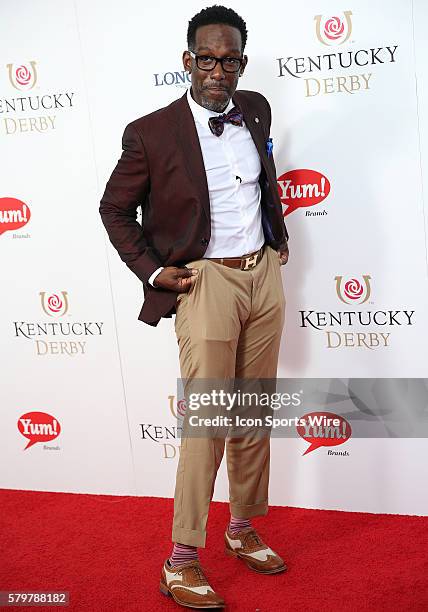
x=201, y=114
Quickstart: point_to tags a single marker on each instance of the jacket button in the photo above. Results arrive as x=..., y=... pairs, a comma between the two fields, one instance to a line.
x=204, y=241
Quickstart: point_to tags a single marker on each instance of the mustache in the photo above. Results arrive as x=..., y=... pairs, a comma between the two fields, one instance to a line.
x=214, y=87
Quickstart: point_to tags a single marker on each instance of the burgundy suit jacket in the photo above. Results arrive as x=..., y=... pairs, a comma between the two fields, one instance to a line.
x=161, y=169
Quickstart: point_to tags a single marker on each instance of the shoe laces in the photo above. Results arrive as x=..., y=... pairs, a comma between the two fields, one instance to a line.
x=200, y=576
x=254, y=538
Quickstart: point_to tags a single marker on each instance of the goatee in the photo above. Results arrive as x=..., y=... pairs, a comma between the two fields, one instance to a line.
x=217, y=106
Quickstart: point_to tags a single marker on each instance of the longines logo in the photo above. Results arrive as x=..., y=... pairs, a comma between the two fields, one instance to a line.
x=366, y=329
x=335, y=31
x=353, y=291
x=17, y=112
x=14, y=214
x=179, y=78
x=58, y=337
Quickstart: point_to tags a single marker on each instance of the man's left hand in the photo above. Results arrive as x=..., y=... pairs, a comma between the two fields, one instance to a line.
x=283, y=253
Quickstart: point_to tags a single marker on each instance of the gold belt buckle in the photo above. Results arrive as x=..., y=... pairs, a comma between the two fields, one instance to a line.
x=250, y=262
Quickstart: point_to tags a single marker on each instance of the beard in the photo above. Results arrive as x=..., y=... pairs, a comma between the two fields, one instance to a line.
x=216, y=103
x=216, y=106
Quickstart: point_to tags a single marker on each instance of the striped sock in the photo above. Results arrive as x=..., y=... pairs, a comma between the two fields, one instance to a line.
x=236, y=524
x=181, y=553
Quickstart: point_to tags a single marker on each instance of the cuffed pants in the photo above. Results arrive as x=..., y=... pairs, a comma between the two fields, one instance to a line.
x=228, y=326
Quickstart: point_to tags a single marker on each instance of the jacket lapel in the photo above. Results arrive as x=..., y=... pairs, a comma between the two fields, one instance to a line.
x=188, y=142
x=255, y=124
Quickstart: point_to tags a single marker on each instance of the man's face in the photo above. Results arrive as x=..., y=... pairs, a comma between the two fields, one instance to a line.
x=214, y=89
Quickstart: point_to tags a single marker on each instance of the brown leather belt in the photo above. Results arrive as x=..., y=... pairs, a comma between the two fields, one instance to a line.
x=246, y=262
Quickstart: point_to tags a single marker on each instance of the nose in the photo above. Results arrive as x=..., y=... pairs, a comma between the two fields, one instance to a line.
x=217, y=73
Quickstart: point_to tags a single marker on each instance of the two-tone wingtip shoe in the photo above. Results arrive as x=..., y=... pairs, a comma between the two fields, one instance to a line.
x=248, y=546
x=188, y=586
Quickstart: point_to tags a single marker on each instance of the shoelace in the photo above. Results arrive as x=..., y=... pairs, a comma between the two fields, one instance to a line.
x=200, y=577
x=199, y=574
x=253, y=535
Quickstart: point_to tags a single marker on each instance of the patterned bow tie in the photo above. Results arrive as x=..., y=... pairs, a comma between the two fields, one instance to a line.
x=216, y=124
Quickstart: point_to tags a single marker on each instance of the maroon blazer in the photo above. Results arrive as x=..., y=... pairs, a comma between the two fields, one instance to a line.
x=162, y=169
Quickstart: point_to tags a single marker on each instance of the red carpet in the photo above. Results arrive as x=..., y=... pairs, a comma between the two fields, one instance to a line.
x=107, y=552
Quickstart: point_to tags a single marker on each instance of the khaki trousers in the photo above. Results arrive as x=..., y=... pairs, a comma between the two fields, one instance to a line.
x=228, y=325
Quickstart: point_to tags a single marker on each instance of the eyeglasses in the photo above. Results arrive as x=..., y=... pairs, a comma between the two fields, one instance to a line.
x=207, y=63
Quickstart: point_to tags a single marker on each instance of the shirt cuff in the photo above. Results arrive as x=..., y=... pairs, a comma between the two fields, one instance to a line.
x=153, y=276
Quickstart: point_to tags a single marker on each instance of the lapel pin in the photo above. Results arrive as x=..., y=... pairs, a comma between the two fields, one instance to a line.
x=256, y=119
x=269, y=147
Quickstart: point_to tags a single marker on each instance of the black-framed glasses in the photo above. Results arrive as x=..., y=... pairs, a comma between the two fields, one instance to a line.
x=207, y=62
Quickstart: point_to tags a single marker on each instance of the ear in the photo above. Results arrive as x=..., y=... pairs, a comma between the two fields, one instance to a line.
x=187, y=61
x=244, y=64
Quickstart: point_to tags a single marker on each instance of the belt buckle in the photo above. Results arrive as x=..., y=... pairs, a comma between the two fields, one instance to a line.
x=250, y=262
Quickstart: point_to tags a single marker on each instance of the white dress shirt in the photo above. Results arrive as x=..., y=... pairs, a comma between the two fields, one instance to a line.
x=232, y=165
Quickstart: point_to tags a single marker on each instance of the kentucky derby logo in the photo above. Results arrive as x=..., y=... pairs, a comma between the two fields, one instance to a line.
x=179, y=411
x=333, y=30
x=53, y=305
x=353, y=291
x=23, y=76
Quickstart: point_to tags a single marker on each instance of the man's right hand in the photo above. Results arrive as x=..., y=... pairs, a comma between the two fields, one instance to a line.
x=176, y=279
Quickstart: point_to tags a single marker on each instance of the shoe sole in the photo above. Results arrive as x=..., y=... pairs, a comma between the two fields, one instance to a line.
x=168, y=593
x=248, y=564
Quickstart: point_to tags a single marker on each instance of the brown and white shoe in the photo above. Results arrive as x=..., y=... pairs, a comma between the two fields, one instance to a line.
x=248, y=546
x=188, y=585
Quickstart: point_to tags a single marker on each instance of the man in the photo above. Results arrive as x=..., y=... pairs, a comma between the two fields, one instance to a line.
x=210, y=248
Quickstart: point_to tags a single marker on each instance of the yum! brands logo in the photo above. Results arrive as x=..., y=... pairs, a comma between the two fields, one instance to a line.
x=333, y=30
x=39, y=427
x=323, y=429
x=303, y=188
x=359, y=328
x=14, y=214
x=22, y=76
x=58, y=337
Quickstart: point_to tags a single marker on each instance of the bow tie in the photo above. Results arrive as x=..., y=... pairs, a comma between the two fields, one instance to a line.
x=216, y=124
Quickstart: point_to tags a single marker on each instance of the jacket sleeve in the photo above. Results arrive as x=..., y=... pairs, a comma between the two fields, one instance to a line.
x=127, y=189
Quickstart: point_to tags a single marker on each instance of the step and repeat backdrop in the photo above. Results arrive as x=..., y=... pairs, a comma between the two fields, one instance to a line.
x=89, y=393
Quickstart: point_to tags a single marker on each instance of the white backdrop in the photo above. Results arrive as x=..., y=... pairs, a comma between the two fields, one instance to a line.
x=73, y=75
